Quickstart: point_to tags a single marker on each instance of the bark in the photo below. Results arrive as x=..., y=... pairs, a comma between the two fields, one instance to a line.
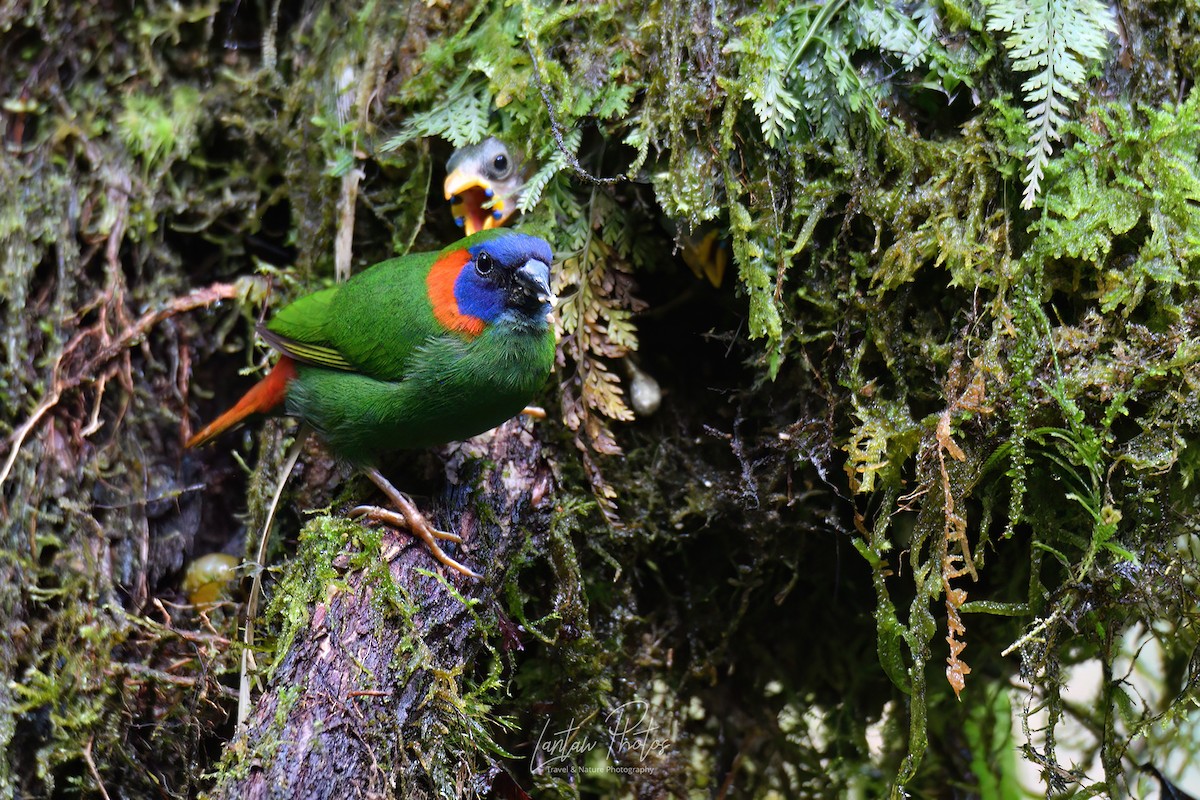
x=375, y=685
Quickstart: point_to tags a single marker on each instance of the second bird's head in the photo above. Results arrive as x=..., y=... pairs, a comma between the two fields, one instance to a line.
x=492, y=276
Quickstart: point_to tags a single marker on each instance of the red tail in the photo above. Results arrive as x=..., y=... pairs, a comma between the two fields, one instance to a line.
x=264, y=396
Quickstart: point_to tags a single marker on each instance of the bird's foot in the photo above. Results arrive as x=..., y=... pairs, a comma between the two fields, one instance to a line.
x=537, y=412
x=419, y=527
x=397, y=520
x=411, y=518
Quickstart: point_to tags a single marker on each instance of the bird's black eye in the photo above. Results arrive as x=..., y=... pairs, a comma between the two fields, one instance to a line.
x=484, y=263
x=500, y=163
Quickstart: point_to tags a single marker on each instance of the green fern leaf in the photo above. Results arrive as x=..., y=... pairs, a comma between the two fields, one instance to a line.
x=461, y=119
x=553, y=162
x=764, y=69
x=1056, y=40
x=615, y=101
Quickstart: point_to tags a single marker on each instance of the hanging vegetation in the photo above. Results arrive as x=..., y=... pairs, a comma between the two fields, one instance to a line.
x=873, y=427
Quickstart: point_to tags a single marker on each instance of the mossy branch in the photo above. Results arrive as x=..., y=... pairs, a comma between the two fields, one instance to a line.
x=375, y=690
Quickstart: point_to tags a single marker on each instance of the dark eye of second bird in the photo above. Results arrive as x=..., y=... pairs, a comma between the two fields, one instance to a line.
x=500, y=163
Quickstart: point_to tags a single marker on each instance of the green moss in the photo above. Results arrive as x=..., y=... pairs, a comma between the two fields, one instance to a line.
x=889, y=305
x=156, y=133
x=1124, y=203
x=312, y=574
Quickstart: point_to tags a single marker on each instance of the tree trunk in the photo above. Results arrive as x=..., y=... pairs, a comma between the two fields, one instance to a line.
x=372, y=697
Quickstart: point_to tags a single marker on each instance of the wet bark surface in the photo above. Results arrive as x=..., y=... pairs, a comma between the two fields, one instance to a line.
x=370, y=689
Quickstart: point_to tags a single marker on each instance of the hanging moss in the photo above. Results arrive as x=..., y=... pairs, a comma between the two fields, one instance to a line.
x=916, y=443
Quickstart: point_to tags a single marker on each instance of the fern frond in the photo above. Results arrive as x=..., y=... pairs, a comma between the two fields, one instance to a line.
x=596, y=325
x=461, y=119
x=1056, y=40
x=803, y=71
x=765, y=64
x=899, y=34
x=614, y=101
x=553, y=162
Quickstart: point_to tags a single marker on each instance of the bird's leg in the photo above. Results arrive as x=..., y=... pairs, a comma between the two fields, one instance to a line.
x=536, y=412
x=399, y=520
x=411, y=518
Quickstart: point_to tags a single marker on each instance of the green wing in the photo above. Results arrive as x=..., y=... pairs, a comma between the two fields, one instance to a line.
x=298, y=330
x=320, y=355
x=371, y=324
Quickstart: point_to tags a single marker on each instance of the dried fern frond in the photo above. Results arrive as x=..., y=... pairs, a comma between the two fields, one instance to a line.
x=597, y=324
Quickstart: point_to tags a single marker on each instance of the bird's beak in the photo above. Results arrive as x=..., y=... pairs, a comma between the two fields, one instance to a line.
x=534, y=276
x=474, y=202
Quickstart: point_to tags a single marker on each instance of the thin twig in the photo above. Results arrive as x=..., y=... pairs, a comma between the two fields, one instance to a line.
x=90, y=371
x=140, y=671
x=555, y=127
x=87, y=757
x=18, y=435
x=248, y=665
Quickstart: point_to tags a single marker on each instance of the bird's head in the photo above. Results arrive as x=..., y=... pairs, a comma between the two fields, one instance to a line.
x=482, y=184
x=491, y=276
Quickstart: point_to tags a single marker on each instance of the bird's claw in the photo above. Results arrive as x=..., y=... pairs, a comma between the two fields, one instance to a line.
x=399, y=521
x=409, y=517
x=419, y=528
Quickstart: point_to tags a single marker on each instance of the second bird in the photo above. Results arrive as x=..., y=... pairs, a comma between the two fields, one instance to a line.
x=483, y=184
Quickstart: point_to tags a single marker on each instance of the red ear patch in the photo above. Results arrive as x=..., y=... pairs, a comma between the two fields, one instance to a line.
x=440, y=285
